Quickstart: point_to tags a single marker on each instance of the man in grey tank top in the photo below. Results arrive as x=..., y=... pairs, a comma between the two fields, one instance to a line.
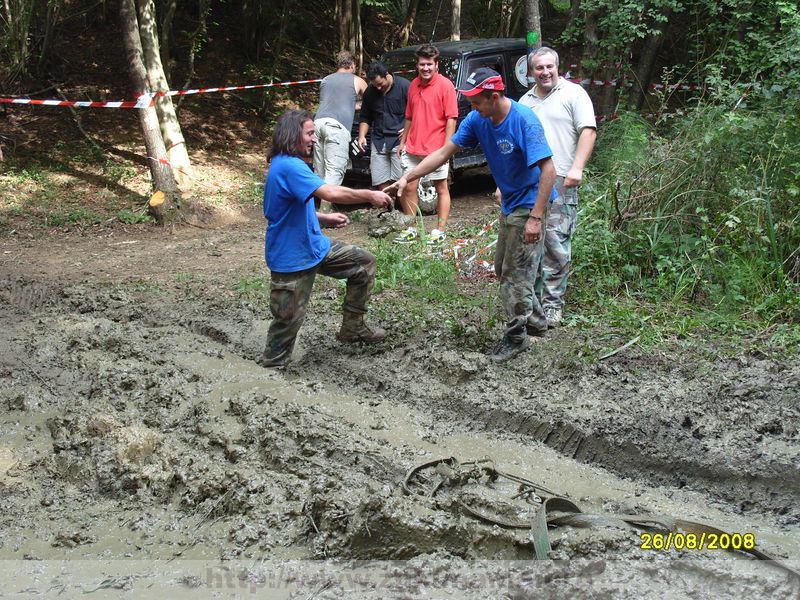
x=334, y=120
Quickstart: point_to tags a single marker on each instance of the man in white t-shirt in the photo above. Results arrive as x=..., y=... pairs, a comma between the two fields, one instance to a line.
x=567, y=115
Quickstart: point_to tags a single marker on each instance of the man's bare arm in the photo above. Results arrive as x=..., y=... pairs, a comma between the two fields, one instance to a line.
x=429, y=164
x=534, y=227
x=403, y=135
x=450, y=129
x=583, y=151
x=338, y=194
x=363, y=128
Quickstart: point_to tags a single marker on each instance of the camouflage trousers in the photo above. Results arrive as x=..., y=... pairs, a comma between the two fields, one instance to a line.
x=290, y=292
x=558, y=244
x=519, y=268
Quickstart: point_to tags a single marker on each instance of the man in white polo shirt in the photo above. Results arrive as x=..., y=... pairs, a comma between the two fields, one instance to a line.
x=567, y=115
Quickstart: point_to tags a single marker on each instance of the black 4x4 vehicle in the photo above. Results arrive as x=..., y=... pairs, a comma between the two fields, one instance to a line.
x=507, y=56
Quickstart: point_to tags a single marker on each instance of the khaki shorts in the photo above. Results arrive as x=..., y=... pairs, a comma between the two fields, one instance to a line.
x=384, y=166
x=409, y=161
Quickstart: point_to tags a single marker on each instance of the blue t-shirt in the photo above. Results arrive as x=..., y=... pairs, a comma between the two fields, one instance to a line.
x=294, y=240
x=512, y=150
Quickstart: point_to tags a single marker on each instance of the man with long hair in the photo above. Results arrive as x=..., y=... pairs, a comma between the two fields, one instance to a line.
x=296, y=249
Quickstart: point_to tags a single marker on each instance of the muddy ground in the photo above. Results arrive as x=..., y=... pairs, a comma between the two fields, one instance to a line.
x=144, y=453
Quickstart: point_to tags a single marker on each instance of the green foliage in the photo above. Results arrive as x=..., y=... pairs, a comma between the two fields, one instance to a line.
x=130, y=217
x=118, y=172
x=79, y=216
x=253, y=287
x=418, y=274
x=701, y=216
x=252, y=192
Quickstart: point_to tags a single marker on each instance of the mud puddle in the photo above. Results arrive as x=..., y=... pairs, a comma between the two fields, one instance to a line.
x=139, y=436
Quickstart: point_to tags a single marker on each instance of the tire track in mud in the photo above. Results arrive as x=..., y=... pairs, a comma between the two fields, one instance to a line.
x=465, y=388
x=652, y=447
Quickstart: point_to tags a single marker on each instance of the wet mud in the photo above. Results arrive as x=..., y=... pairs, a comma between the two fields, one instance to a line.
x=138, y=434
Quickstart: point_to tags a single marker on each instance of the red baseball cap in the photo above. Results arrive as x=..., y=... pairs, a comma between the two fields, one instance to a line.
x=482, y=79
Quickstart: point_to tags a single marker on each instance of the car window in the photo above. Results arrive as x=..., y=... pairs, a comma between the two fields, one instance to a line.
x=493, y=62
x=406, y=66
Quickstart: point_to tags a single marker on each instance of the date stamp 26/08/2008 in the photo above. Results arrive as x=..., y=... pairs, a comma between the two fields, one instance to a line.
x=697, y=541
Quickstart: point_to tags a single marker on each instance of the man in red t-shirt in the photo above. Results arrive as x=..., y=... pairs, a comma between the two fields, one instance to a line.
x=431, y=116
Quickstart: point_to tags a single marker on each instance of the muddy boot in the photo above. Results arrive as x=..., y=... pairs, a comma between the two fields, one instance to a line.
x=276, y=353
x=355, y=330
x=509, y=348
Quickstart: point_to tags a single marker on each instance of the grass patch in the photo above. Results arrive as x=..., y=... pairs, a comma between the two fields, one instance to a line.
x=130, y=217
x=253, y=287
x=419, y=290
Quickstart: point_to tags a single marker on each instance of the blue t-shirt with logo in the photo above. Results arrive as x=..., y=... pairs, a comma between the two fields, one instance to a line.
x=294, y=240
x=512, y=150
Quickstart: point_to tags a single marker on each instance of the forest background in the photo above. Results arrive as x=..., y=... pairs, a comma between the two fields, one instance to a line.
x=689, y=217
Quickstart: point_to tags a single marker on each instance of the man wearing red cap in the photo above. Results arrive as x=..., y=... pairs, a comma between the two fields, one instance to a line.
x=513, y=140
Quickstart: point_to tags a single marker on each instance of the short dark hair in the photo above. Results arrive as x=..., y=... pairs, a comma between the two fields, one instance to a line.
x=488, y=93
x=376, y=69
x=287, y=133
x=427, y=51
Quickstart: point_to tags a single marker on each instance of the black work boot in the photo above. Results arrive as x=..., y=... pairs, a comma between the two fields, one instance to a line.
x=355, y=330
x=533, y=332
x=509, y=348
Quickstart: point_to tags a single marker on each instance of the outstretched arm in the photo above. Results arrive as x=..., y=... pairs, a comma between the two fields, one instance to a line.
x=429, y=164
x=338, y=194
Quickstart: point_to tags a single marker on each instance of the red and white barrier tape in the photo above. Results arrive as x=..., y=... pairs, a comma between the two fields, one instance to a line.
x=147, y=100
x=234, y=88
x=164, y=161
x=652, y=86
x=143, y=101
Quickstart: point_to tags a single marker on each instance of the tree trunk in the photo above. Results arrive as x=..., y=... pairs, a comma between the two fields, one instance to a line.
x=404, y=33
x=533, y=25
x=345, y=24
x=574, y=11
x=506, y=10
x=358, y=41
x=163, y=181
x=455, y=20
x=52, y=18
x=166, y=35
x=591, y=41
x=170, y=127
x=644, y=70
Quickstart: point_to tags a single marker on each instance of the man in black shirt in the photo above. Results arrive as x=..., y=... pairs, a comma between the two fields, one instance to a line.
x=383, y=109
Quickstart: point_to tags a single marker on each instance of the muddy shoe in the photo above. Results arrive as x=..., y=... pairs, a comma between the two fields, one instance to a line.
x=533, y=332
x=436, y=237
x=355, y=330
x=406, y=237
x=274, y=360
x=509, y=349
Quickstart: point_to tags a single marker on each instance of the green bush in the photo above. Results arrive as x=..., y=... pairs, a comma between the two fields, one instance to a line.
x=703, y=211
